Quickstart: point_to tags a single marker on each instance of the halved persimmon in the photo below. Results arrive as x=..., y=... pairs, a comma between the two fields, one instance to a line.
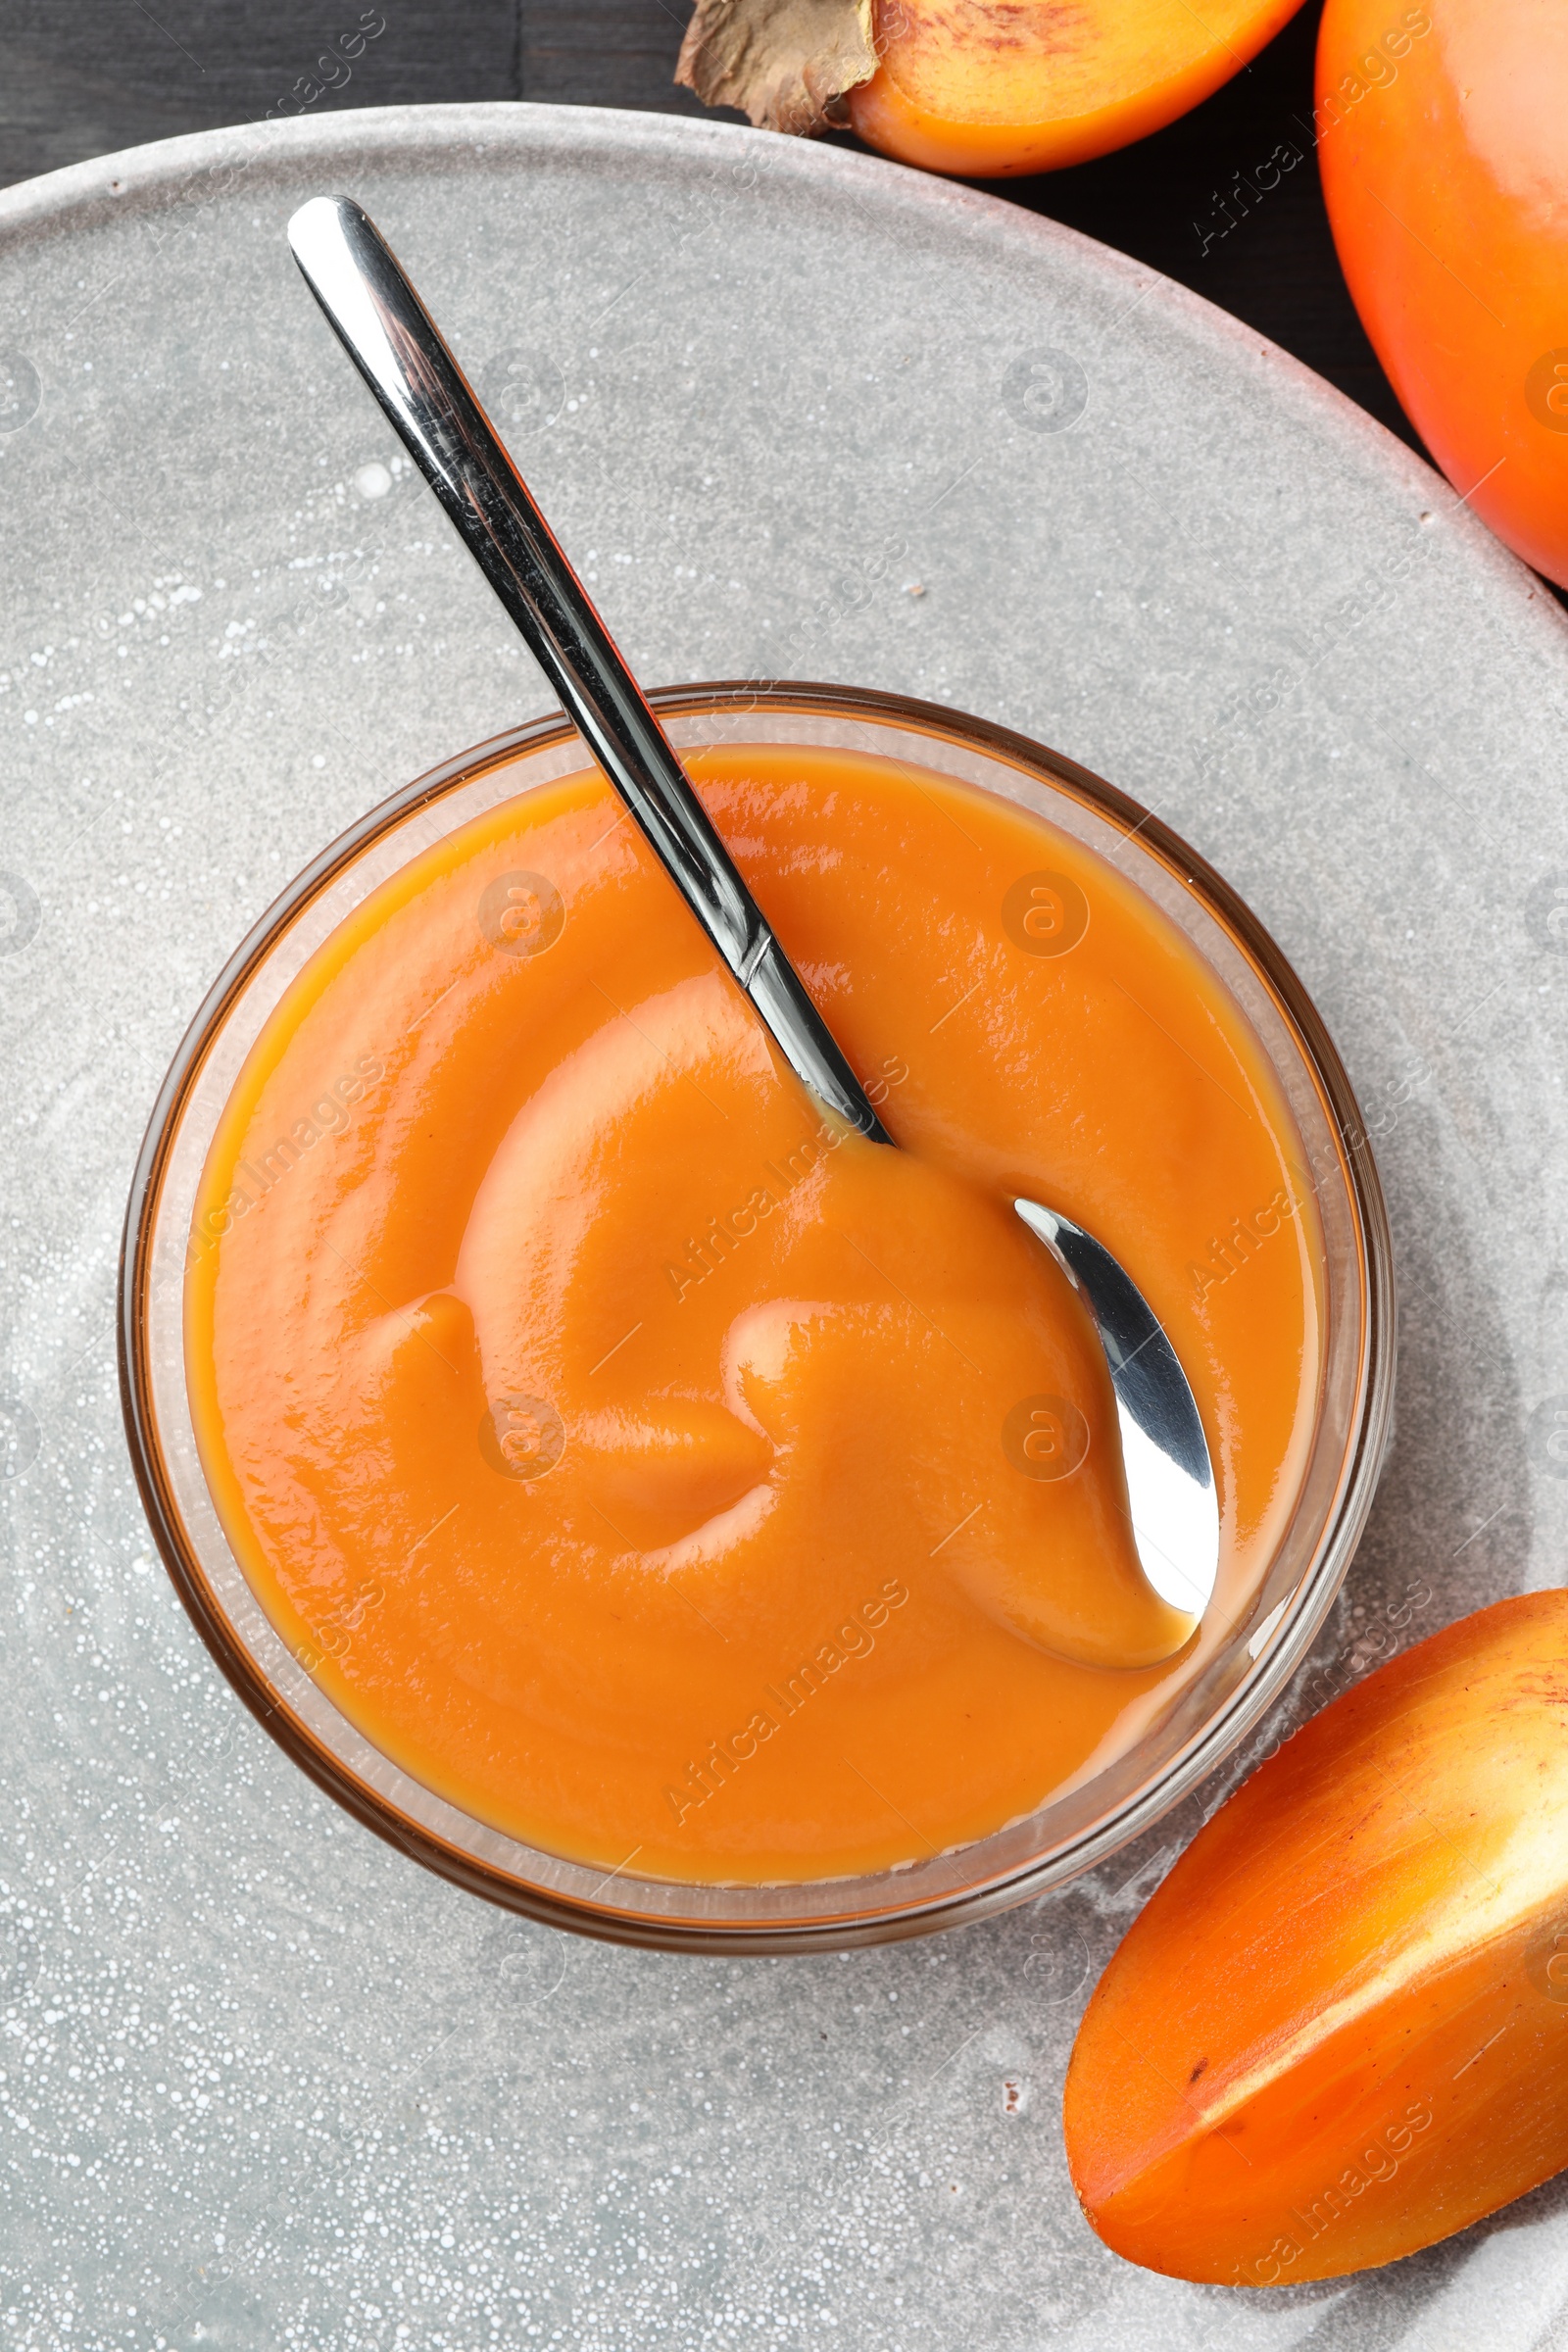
x=991, y=89
x=1338, y=2032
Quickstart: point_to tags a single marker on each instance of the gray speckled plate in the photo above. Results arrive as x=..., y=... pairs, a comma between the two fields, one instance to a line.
x=263, y=2081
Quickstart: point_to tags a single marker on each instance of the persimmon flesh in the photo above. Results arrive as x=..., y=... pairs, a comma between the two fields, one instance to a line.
x=1338, y=2032
x=1446, y=172
x=990, y=88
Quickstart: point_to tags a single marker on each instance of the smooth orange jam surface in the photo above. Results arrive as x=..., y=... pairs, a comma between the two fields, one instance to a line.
x=663, y=1476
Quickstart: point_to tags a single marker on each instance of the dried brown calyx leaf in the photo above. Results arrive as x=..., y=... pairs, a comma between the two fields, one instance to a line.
x=782, y=62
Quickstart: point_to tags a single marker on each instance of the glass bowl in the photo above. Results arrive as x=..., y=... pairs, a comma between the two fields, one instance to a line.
x=1206, y=1716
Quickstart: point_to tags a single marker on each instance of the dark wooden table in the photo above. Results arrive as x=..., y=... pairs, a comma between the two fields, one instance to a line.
x=79, y=77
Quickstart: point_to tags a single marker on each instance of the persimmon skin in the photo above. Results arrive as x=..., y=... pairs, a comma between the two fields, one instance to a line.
x=1448, y=190
x=1338, y=2032
x=990, y=89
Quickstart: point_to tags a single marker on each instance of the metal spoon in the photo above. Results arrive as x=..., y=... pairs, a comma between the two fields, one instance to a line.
x=391, y=339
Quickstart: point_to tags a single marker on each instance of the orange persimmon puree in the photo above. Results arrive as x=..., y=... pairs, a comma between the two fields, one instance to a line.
x=665, y=1476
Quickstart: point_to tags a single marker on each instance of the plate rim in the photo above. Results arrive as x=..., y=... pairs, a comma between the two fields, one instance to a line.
x=146, y=178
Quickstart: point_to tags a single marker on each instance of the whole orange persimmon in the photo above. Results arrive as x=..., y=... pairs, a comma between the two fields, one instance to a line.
x=1338, y=2031
x=992, y=87
x=1444, y=157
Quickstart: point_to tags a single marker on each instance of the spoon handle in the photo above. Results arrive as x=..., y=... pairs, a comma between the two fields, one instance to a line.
x=392, y=340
